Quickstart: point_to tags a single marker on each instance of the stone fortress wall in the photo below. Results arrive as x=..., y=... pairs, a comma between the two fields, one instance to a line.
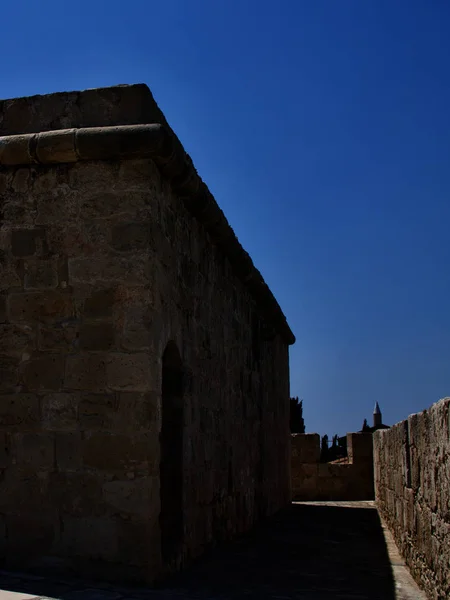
x=128, y=311
x=412, y=483
x=314, y=480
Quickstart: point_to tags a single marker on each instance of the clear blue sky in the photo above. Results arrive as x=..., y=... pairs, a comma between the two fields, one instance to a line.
x=322, y=128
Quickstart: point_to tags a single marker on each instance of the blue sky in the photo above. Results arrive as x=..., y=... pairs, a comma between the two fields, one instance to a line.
x=322, y=128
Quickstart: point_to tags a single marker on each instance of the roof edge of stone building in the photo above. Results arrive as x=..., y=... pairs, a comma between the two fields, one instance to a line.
x=158, y=142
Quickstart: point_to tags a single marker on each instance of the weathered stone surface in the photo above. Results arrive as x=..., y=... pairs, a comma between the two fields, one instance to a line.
x=412, y=487
x=313, y=480
x=19, y=410
x=44, y=372
x=68, y=448
x=86, y=372
x=34, y=450
x=106, y=267
x=39, y=306
x=27, y=242
x=97, y=336
x=59, y=411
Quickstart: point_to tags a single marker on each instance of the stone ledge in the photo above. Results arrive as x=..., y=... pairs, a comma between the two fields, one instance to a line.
x=157, y=142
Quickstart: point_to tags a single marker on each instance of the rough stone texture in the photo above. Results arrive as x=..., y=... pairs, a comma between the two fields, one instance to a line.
x=102, y=264
x=313, y=480
x=412, y=483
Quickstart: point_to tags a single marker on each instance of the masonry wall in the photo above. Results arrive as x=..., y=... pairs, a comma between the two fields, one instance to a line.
x=101, y=266
x=412, y=466
x=314, y=480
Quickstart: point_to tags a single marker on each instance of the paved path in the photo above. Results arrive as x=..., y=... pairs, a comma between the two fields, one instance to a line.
x=312, y=551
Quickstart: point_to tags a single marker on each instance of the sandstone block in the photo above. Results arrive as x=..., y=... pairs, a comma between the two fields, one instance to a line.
x=97, y=336
x=306, y=447
x=137, y=497
x=139, y=542
x=68, y=450
x=86, y=372
x=105, y=204
x=19, y=411
x=90, y=537
x=97, y=412
x=62, y=336
x=39, y=306
x=40, y=274
x=100, y=303
x=129, y=372
x=4, y=452
x=30, y=535
x=44, y=373
x=130, y=236
x=132, y=270
x=59, y=411
x=34, y=450
x=3, y=317
x=17, y=340
x=28, y=242
x=120, y=452
x=77, y=493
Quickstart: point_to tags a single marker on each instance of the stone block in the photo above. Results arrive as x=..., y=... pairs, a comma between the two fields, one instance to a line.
x=306, y=447
x=137, y=411
x=89, y=537
x=31, y=534
x=108, y=268
x=9, y=373
x=44, y=372
x=86, y=372
x=139, y=542
x=137, y=497
x=113, y=452
x=28, y=242
x=97, y=412
x=19, y=411
x=39, y=306
x=129, y=372
x=78, y=493
x=62, y=336
x=100, y=303
x=68, y=448
x=126, y=237
x=4, y=451
x=141, y=328
x=97, y=336
x=360, y=448
x=107, y=203
x=40, y=274
x=3, y=314
x=17, y=339
x=34, y=450
x=59, y=411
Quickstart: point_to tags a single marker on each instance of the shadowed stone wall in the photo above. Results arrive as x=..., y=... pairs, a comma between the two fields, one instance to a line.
x=314, y=480
x=103, y=263
x=412, y=482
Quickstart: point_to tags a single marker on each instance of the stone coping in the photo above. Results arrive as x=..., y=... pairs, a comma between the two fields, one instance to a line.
x=155, y=141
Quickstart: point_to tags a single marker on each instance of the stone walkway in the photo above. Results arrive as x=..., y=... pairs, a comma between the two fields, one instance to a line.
x=312, y=551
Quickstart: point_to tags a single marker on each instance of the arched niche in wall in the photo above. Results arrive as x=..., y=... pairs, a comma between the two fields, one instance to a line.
x=171, y=446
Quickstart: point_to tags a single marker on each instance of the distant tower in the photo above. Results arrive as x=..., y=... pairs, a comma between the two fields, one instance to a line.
x=377, y=418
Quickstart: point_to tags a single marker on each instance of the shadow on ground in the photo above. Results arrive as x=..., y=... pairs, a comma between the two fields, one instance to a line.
x=308, y=552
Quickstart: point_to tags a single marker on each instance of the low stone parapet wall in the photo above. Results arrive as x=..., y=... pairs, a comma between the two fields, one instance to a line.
x=412, y=484
x=313, y=480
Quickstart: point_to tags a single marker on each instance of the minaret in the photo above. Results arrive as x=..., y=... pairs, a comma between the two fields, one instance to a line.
x=377, y=418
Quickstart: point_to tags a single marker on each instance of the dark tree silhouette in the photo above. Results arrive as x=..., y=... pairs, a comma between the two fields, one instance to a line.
x=324, y=449
x=365, y=426
x=296, y=418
